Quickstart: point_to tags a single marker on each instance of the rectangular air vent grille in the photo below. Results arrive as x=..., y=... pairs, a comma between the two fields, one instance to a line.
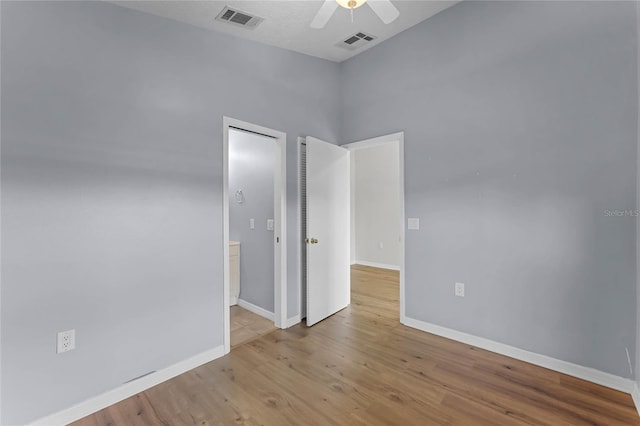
x=356, y=41
x=228, y=14
x=351, y=40
x=241, y=19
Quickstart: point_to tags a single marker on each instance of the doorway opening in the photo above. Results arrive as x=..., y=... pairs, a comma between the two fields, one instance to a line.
x=254, y=230
x=377, y=225
x=378, y=218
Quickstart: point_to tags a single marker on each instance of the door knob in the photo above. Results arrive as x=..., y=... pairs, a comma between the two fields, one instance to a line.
x=311, y=240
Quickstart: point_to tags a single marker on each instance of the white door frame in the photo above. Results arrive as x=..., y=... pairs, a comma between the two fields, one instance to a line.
x=280, y=222
x=383, y=140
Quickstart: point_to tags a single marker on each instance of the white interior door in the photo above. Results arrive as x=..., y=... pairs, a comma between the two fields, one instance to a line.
x=328, y=229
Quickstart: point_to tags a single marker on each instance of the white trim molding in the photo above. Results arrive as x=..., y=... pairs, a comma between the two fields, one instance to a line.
x=592, y=375
x=377, y=265
x=377, y=141
x=293, y=321
x=635, y=395
x=127, y=390
x=256, y=309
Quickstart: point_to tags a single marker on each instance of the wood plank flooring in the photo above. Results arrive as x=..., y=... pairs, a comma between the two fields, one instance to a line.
x=361, y=367
x=247, y=326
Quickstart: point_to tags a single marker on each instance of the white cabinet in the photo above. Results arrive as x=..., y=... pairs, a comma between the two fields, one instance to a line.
x=234, y=272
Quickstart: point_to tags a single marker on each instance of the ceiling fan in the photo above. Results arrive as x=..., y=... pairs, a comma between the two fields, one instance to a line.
x=385, y=10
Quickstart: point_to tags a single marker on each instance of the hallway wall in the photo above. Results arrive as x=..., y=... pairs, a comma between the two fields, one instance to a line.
x=376, y=205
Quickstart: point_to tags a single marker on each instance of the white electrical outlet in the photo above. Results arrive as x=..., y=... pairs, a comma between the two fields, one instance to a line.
x=252, y=223
x=459, y=290
x=66, y=341
x=380, y=245
x=269, y=224
x=413, y=223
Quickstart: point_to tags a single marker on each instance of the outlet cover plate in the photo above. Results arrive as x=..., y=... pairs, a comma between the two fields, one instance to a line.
x=459, y=290
x=66, y=341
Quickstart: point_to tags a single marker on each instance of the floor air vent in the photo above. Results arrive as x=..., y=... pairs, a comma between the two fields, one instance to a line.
x=355, y=41
x=241, y=19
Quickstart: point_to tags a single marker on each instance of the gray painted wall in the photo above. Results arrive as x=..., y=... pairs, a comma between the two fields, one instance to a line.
x=637, y=360
x=520, y=131
x=112, y=188
x=251, y=169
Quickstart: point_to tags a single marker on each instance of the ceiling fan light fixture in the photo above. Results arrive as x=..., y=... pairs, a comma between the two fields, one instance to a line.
x=385, y=10
x=351, y=4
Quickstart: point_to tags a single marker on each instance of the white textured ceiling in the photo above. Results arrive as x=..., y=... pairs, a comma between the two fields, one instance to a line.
x=286, y=22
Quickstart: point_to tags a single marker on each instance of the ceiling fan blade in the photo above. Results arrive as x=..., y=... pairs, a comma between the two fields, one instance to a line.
x=385, y=10
x=324, y=14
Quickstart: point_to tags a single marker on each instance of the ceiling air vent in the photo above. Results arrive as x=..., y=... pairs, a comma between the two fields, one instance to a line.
x=241, y=19
x=355, y=41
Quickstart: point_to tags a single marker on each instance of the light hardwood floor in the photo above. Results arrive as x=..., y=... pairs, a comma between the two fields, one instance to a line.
x=361, y=367
x=247, y=326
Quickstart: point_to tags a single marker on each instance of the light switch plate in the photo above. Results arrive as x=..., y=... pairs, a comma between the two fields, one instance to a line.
x=269, y=224
x=413, y=223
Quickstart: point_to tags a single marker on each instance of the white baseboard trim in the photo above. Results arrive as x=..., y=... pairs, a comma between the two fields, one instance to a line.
x=635, y=395
x=377, y=265
x=127, y=390
x=257, y=310
x=293, y=321
x=233, y=300
x=592, y=375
